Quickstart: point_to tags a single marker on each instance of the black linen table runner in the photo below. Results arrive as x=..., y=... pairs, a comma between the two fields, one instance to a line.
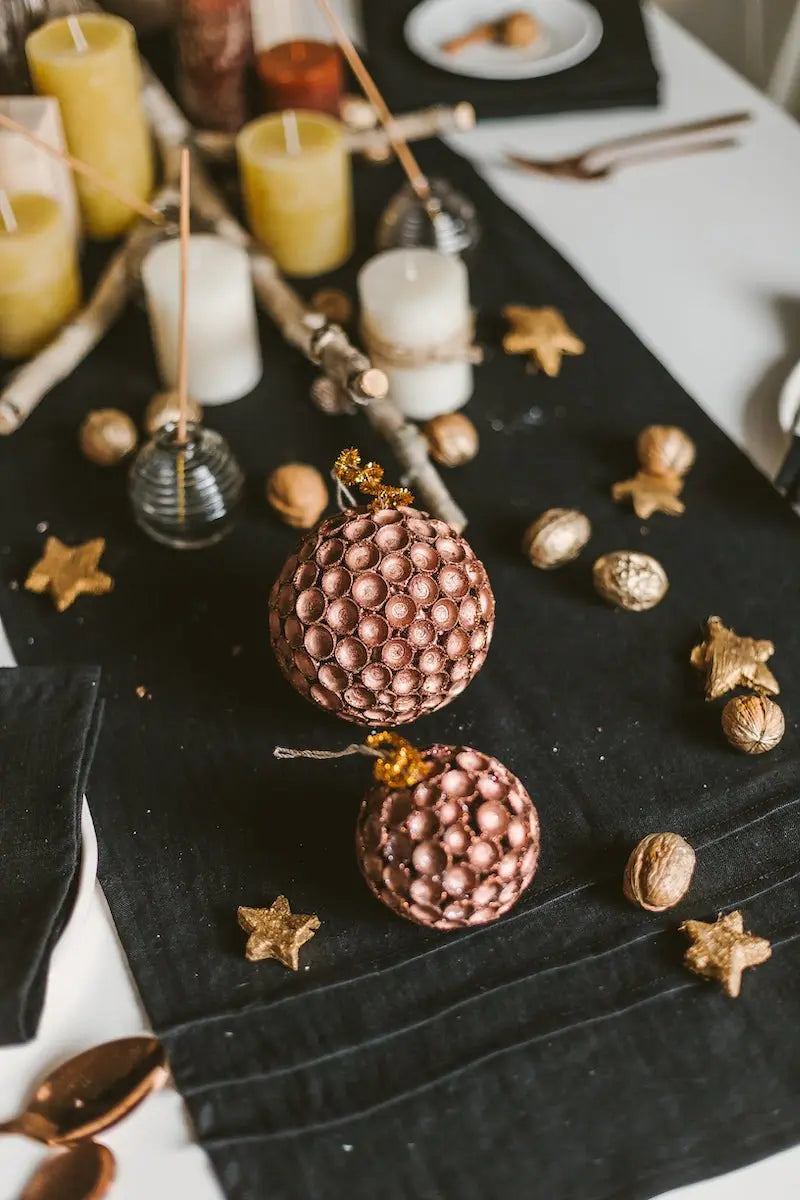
x=48, y=727
x=563, y=1052
x=620, y=73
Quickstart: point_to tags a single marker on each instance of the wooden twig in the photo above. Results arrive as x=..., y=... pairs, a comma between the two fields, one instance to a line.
x=31, y=382
x=435, y=121
x=183, y=360
x=81, y=168
x=416, y=176
x=323, y=343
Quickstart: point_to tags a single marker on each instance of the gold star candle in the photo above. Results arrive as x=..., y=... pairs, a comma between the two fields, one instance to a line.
x=91, y=65
x=39, y=281
x=295, y=173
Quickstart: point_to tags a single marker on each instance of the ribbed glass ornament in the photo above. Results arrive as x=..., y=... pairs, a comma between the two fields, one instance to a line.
x=186, y=495
x=452, y=229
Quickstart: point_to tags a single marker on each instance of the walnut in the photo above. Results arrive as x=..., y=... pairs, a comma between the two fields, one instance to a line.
x=753, y=724
x=334, y=304
x=452, y=439
x=106, y=436
x=659, y=871
x=665, y=450
x=630, y=580
x=163, y=409
x=556, y=537
x=298, y=493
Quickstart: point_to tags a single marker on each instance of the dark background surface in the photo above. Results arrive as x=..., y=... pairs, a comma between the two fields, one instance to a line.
x=620, y=73
x=564, y=1052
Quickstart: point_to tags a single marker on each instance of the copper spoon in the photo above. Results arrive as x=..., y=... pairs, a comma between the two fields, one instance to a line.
x=92, y=1091
x=83, y=1172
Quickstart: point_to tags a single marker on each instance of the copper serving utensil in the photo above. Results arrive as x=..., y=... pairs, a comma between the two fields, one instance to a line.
x=83, y=1172
x=603, y=159
x=92, y=1091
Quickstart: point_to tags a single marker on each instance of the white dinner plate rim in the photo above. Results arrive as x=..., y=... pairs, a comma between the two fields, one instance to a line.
x=548, y=64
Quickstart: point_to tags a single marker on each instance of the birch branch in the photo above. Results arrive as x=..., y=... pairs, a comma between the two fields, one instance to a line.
x=31, y=382
x=323, y=343
x=317, y=339
x=411, y=127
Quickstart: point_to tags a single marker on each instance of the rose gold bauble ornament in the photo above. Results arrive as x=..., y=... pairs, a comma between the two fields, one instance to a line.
x=384, y=613
x=454, y=849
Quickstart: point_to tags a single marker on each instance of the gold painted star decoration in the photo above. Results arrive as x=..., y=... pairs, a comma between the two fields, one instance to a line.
x=543, y=334
x=722, y=950
x=277, y=932
x=651, y=494
x=730, y=661
x=67, y=572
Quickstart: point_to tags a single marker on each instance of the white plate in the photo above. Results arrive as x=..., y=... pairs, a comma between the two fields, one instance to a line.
x=572, y=30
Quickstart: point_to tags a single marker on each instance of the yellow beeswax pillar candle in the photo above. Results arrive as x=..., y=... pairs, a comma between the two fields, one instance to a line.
x=295, y=174
x=39, y=282
x=91, y=65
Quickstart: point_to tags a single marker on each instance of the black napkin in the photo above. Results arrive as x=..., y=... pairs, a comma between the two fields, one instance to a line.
x=48, y=725
x=563, y=1052
x=619, y=74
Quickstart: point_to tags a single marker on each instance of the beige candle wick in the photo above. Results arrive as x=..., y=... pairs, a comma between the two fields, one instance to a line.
x=408, y=162
x=89, y=172
x=78, y=36
x=291, y=131
x=183, y=360
x=7, y=212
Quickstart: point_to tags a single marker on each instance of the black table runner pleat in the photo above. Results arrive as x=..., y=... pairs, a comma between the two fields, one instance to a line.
x=564, y=1052
x=620, y=73
x=48, y=728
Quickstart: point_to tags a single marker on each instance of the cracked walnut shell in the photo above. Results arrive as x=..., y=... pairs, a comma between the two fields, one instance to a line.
x=659, y=871
x=556, y=537
x=753, y=724
x=630, y=580
x=452, y=439
x=298, y=494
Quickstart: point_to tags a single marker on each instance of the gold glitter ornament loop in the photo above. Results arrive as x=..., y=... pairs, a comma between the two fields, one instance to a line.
x=400, y=764
x=368, y=478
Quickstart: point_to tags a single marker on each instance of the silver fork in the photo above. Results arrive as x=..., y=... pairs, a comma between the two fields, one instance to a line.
x=590, y=164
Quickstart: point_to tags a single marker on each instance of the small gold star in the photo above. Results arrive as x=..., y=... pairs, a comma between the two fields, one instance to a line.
x=722, y=950
x=276, y=932
x=731, y=661
x=651, y=494
x=543, y=334
x=67, y=572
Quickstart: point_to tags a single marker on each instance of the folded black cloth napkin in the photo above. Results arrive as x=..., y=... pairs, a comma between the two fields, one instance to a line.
x=48, y=723
x=620, y=73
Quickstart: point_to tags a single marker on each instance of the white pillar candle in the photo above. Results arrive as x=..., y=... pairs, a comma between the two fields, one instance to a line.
x=224, y=353
x=416, y=302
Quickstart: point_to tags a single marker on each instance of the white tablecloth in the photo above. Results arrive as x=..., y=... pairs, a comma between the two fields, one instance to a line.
x=702, y=258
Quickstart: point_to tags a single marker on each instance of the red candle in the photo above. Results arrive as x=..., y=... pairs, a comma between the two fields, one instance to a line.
x=302, y=74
